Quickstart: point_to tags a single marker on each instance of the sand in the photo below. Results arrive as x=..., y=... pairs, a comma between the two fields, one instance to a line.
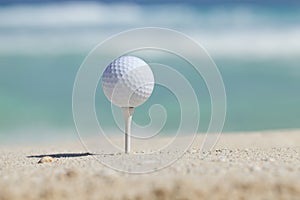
x=260, y=165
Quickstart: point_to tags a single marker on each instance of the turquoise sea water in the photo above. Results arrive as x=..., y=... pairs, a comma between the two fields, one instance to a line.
x=257, y=50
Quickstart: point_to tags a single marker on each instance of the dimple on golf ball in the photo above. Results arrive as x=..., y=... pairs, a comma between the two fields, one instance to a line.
x=128, y=81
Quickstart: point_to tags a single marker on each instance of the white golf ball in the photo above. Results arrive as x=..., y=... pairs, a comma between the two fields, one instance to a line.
x=128, y=81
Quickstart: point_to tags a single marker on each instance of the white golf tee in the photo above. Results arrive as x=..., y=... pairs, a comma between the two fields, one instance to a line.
x=127, y=113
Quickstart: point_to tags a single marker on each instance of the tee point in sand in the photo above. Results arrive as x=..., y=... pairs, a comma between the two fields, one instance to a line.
x=127, y=82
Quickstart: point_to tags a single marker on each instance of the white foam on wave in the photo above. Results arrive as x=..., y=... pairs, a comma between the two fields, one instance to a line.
x=258, y=44
x=78, y=27
x=66, y=14
x=255, y=43
x=89, y=13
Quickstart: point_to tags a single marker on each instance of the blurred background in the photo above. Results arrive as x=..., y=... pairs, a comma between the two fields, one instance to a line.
x=43, y=43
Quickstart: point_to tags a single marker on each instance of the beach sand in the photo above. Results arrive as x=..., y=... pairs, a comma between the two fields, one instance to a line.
x=258, y=165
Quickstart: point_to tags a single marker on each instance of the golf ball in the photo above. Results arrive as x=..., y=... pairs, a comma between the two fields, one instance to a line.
x=128, y=81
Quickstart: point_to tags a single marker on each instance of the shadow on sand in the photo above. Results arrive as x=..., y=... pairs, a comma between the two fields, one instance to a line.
x=61, y=155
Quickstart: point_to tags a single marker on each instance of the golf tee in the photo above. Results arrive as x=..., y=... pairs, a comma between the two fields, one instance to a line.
x=127, y=113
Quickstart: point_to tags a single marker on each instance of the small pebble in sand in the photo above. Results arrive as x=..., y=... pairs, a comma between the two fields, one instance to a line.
x=138, y=152
x=46, y=159
x=71, y=173
x=255, y=168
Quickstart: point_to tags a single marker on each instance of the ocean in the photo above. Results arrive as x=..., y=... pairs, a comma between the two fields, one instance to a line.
x=256, y=48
